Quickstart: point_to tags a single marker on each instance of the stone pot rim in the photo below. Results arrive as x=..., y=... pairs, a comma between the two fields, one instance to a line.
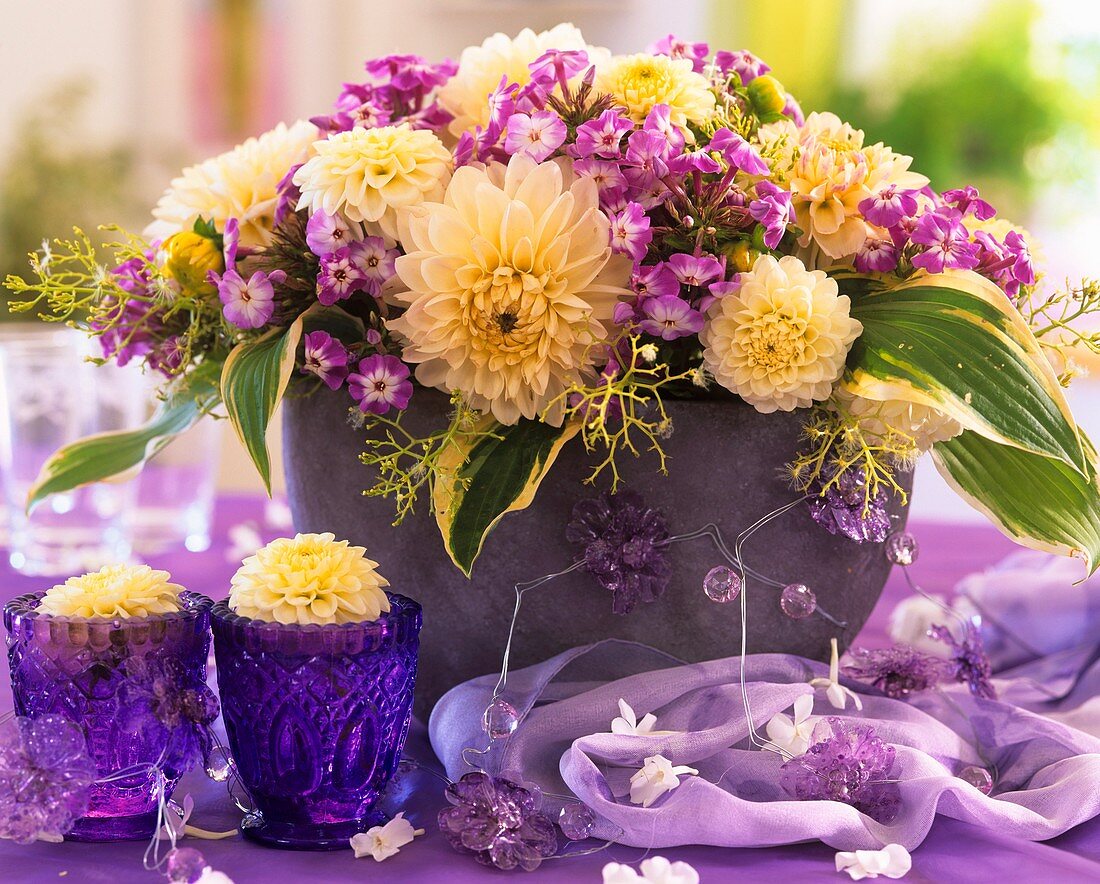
x=25, y=608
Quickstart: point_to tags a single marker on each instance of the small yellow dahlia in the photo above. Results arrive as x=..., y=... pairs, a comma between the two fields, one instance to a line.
x=465, y=95
x=187, y=257
x=240, y=184
x=924, y=425
x=508, y=282
x=114, y=591
x=311, y=578
x=369, y=174
x=781, y=339
x=641, y=82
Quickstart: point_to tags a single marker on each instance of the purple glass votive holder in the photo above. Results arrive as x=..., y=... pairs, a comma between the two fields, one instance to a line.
x=73, y=666
x=316, y=718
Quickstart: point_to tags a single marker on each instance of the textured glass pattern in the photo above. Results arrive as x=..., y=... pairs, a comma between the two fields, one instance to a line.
x=316, y=717
x=75, y=668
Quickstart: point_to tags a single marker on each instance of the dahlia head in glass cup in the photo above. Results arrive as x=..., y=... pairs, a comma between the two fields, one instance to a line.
x=316, y=667
x=121, y=653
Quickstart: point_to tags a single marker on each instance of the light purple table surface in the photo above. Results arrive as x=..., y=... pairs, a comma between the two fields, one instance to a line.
x=953, y=851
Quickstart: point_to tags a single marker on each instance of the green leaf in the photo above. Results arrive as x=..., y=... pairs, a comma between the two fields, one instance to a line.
x=253, y=381
x=955, y=343
x=1039, y=502
x=117, y=455
x=477, y=484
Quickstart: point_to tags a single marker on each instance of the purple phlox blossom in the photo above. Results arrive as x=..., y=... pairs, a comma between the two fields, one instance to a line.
x=374, y=337
x=645, y=188
x=967, y=201
x=162, y=701
x=602, y=136
x=669, y=318
x=410, y=73
x=897, y=671
x=231, y=242
x=947, y=241
x=501, y=104
x=648, y=153
x=674, y=47
x=558, y=67
x=380, y=383
x=538, y=135
x=694, y=161
x=969, y=664
x=695, y=270
x=287, y=195
x=772, y=209
x=168, y=356
x=325, y=357
x=849, y=763
x=845, y=509
x=374, y=261
x=876, y=255
x=743, y=63
x=622, y=542
x=630, y=232
x=498, y=821
x=654, y=280
x=887, y=207
x=738, y=152
x=608, y=177
x=531, y=97
x=247, y=303
x=327, y=233
x=793, y=110
x=46, y=777
x=659, y=121
x=478, y=145
x=1008, y=264
x=354, y=94
x=339, y=278
x=129, y=329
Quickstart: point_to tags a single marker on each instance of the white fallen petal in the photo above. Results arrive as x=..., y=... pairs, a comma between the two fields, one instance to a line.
x=893, y=861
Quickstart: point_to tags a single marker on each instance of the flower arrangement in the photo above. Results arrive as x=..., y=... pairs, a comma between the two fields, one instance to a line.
x=562, y=240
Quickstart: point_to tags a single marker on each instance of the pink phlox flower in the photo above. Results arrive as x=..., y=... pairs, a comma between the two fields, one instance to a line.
x=674, y=47
x=887, y=207
x=247, y=303
x=947, y=241
x=695, y=270
x=772, y=209
x=380, y=383
x=340, y=277
x=966, y=200
x=326, y=358
x=668, y=317
x=538, y=135
x=659, y=120
x=603, y=135
x=738, y=152
x=371, y=257
x=743, y=63
x=630, y=232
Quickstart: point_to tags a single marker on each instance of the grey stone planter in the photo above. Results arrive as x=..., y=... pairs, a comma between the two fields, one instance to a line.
x=725, y=466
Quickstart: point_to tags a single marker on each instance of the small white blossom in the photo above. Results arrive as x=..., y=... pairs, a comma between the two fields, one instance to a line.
x=656, y=870
x=212, y=876
x=655, y=778
x=382, y=842
x=893, y=861
x=837, y=694
x=792, y=736
x=648, y=352
x=627, y=723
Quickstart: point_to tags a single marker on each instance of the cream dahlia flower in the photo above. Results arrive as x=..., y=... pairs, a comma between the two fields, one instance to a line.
x=508, y=283
x=239, y=184
x=114, y=591
x=465, y=95
x=781, y=339
x=877, y=420
x=311, y=578
x=370, y=174
x=641, y=82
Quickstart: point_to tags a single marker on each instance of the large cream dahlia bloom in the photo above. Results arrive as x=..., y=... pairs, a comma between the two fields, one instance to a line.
x=370, y=174
x=241, y=184
x=508, y=283
x=480, y=68
x=641, y=82
x=781, y=339
x=877, y=420
x=115, y=591
x=310, y=578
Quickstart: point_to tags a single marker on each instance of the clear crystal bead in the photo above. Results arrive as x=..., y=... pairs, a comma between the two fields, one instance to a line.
x=722, y=584
x=902, y=548
x=798, y=601
x=576, y=821
x=978, y=777
x=218, y=764
x=500, y=719
x=185, y=865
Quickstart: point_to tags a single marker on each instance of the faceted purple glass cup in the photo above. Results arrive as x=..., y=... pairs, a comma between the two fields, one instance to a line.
x=74, y=667
x=316, y=718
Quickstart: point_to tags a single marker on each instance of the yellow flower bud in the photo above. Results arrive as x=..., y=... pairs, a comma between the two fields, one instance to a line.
x=741, y=256
x=767, y=95
x=188, y=257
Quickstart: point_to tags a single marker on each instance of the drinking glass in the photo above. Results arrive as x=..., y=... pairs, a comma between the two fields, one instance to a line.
x=50, y=395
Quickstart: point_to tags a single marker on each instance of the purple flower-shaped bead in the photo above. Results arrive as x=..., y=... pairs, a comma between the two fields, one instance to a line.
x=897, y=671
x=843, y=508
x=498, y=821
x=623, y=543
x=969, y=664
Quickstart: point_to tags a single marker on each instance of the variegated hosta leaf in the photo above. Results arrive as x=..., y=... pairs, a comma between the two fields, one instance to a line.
x=479, y=482
x=253, y=381
x=955, y=343
x=1038, y=501
x=120, y=454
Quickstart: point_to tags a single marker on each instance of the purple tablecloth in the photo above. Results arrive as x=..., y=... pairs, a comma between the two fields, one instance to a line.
x=952, y=852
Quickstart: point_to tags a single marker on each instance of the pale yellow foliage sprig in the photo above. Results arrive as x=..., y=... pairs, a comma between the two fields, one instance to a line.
x=406, y=463
x=624, y=413
x=836, y=444
x=1057, y=320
